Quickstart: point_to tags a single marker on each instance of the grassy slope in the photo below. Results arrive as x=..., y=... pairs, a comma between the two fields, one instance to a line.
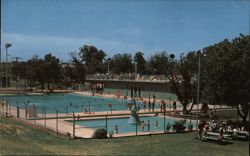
x=35, y=141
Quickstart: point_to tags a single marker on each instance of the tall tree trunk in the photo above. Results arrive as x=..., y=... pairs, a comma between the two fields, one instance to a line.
x=184, y=110
x=188, y=112
x=243, y=114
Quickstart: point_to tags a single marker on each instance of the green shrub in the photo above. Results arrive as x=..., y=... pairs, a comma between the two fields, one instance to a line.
x=178, y=126
x=100, y=134
x=168, y=126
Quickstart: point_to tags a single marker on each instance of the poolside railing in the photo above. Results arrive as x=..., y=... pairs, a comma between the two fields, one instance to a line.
x=128, y=76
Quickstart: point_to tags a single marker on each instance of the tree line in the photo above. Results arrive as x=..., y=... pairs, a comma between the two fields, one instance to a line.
x=88, y=60
x=224, y=74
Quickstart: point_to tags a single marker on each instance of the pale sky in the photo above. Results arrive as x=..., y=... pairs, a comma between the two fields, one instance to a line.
x=62, y=26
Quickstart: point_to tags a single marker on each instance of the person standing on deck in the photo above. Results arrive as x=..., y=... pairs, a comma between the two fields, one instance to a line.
x=174, y=106
x=116, y=129
x=149, y=106
x=142, y=126
x=156, y=123
x=153, y=104
x=148, y=125
x=164, y=106
x=144, y=105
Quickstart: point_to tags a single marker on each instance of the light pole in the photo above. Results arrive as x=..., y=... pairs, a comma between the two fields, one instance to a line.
x=7, y=45
x=172, y=56
x=1, y=65
x=198, y=88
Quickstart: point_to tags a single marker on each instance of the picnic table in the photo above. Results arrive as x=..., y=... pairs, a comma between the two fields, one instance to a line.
x=214, y=137
x=238, y=134
x=217, y=134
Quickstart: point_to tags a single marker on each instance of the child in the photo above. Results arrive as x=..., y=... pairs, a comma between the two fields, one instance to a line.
x=149, y=106
x=148, y=125
x=116, y=129
x=142, y=125
x=144, y=104
x=153, y=103
x=156, y=123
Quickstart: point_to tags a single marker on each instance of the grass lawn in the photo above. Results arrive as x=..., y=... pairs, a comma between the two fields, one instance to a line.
x=19, y=138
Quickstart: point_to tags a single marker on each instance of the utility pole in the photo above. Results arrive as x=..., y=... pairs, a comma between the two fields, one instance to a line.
x=7, y=45
x=198, y=88
x=0, y=67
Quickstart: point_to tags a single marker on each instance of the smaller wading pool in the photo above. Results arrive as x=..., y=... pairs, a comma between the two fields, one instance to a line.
x=125, y=127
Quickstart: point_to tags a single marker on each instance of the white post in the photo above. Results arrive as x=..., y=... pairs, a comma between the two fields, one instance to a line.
x=135, y=68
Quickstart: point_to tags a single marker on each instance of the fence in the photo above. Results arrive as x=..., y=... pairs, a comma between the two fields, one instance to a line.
x=69, y=123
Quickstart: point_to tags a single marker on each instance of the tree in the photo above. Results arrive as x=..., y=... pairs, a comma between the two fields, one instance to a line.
x=79, y=71
x=36, y=72
x=182, y=81
x=159, y=64
x=18, y=70
x=92, y=58
x=227, y=74
x=75, y=70
x=41, y=71
x=121, y=63
x=52, y=69
x=139, y=59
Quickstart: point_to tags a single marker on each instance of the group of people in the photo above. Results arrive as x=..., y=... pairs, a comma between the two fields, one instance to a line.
x=148, y=103
x=151, y=106
x=220, y=127
x=143, y=124
x=205, y=127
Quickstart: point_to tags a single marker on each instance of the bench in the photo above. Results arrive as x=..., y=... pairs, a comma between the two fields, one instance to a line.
x=224, y=140
x=239, y=134
x=239, y=137
x=214, y=137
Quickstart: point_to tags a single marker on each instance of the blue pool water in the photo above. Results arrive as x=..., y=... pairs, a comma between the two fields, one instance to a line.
x=124, y=126
x=144, y=94
x=69, y=102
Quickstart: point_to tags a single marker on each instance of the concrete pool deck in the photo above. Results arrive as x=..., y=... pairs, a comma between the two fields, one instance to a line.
x=65, y=127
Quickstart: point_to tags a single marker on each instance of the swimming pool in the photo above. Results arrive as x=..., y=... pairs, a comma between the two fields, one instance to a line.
x=70, y=102
x=125, y=127
x=144, y=94
x=67, y=102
